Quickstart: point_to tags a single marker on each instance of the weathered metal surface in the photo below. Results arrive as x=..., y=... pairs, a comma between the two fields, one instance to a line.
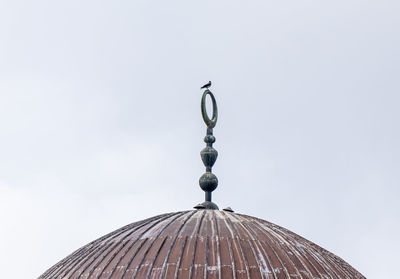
x=201, y=244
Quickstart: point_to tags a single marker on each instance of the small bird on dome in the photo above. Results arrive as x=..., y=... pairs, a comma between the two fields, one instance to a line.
x=206, y=86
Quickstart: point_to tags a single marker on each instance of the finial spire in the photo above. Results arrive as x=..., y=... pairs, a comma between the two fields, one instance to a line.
x=208, y=181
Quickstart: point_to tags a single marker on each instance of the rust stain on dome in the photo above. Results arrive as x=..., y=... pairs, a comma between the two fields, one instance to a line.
x=201, y=244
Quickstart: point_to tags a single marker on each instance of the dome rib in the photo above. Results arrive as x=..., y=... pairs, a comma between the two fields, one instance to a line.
x=125, y=247
x=110, y=243
x=226, y=251
x=322, y=262
x=277, y=254
x=76, y=256
x=207, y=244
x=273, y=250
x=93, y=265
x=234, y=234
x=173, y=245
x=173, y=218
x=316, y=251
x=217, y=243
x=303, y=261
x=196, y=237
x=282, y=233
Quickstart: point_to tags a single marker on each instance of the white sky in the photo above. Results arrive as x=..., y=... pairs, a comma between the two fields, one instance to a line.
x=100, y=122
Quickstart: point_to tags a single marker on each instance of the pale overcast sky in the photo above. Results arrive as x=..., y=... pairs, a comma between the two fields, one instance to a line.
x=100, y=122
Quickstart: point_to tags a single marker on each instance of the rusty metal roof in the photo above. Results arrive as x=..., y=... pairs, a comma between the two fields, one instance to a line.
x=201, y=244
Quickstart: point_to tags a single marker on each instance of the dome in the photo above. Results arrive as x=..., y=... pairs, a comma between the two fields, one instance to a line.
x=201, y=244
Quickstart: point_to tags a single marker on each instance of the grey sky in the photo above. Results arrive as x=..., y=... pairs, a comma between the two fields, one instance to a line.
x=100, y=121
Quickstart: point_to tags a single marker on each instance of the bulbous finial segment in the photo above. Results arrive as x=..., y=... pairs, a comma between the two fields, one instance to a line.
x=208, y=181
x=209, y=156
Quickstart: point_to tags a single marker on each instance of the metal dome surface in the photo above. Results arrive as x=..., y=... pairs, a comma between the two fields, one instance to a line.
x=201, y=244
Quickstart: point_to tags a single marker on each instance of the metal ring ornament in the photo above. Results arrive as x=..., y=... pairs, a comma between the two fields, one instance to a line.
x=209, y=122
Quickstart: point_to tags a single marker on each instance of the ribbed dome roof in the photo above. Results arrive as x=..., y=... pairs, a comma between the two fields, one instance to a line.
x=201, y=244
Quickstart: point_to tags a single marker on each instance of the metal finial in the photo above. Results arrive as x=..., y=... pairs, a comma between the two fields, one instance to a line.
x=208, y=181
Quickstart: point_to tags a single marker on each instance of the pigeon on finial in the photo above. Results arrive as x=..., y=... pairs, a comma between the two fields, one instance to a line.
x=206, y=86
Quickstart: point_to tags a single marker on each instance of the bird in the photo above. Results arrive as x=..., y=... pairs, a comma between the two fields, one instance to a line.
x=206, y=86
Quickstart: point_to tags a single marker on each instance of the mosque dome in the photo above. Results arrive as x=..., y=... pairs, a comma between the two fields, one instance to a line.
x=202, y=243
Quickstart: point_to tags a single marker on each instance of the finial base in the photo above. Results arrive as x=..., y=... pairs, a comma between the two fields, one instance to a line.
x=207, y=205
